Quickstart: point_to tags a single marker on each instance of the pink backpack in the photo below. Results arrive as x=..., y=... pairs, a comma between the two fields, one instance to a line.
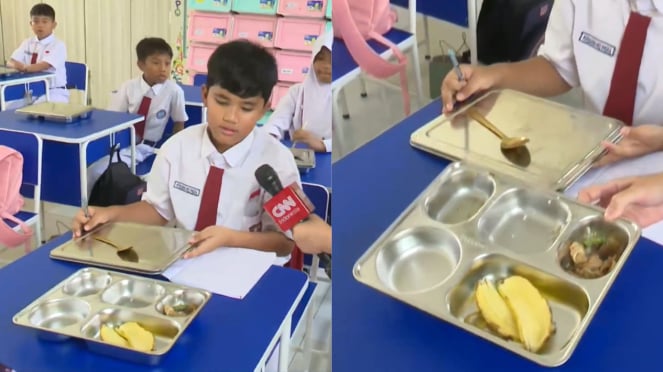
x=11, y=202
x=357, y=21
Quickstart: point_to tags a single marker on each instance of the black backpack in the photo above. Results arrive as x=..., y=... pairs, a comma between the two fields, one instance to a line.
x=117, y=185
x=511, y=30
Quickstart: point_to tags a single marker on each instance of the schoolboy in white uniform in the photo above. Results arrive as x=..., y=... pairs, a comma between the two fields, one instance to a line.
x=306, y=111
x=42, y=53
x=203, y=178
x=582, y=45
x=152, y=94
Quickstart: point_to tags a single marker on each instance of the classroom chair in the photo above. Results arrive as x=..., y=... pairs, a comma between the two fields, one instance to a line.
x=199, y=80
x=320, y=197
x=30, y=146
x=78, y=77
x=346, y=69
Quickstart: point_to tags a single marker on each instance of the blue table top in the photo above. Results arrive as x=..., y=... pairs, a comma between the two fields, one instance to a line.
x=373, y=332
x=228, y=335
x=322, y=173
x=9, y=79
x=343, y=62
x=99, y=121
x=450, y=11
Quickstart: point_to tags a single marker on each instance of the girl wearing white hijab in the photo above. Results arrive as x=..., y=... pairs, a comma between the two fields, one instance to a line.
x=306, y=111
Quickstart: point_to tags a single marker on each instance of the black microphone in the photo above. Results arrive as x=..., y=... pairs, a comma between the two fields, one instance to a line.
x=270, y=181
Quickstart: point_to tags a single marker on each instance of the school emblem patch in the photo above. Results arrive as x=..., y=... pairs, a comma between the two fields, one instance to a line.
x=161, y=114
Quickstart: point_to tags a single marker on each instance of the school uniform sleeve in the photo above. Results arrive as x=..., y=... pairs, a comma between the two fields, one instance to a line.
x=281, y=119
x=120, y=99
x=177, y=106
x=19, y=53
x=56, y=56
x=158, y=193
x=558, y=44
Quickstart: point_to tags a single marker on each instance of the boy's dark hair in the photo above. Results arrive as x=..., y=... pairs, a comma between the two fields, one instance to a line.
x=152, y=45
x=243, y=68
x=43, y=10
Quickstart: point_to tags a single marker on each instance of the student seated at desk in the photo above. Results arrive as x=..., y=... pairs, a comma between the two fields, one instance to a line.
x=153, y=95
x=306, y=110
x=42, y=53
x=609, y=50
x=203, y=178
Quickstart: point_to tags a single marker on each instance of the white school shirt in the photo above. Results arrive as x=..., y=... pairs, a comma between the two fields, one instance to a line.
x=582, y=42
x=51, y=50
x=178, y=176
x=282, y=119
x=167, y=101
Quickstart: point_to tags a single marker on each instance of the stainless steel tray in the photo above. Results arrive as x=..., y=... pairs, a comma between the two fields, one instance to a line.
x=564, y=142
x=56, y=111
x=153, y=248
x=305, y=158
x=78, y=306
x=470, y=224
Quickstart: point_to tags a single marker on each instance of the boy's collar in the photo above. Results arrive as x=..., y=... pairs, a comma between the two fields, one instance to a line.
x=235, y=155
x=45, y=40
x=156, y=88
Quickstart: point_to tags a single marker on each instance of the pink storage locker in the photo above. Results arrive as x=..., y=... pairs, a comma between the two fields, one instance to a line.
x=210, y=28
x=303, y=8
x=298, y=33
x=256, y=28
x=293, y=66
x=280, y=91
x=198, y=56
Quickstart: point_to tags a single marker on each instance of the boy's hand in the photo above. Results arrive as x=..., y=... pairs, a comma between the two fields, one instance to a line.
x=309, y=139
x=205, y=241
x=635, y=142
x=19, y=66
x=476, y=79
x=96, y=216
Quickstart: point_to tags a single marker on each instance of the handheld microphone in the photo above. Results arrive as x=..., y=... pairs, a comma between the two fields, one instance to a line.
x=288, y=206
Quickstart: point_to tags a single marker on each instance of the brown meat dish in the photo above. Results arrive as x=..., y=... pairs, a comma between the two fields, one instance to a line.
x=593, y=257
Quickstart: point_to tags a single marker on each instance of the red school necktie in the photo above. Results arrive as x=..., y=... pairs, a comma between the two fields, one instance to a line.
x=621, y=98
x=143, y=109
x=33, y=60
x=209, y=202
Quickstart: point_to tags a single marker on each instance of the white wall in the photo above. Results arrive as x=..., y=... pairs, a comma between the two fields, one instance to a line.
x=101, y=33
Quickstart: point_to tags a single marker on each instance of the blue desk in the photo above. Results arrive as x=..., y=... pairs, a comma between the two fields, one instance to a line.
x=63, y=142
x=322, y=173
x=450, y=11
x=228, y=335
x=20, y=79
x=373, y=332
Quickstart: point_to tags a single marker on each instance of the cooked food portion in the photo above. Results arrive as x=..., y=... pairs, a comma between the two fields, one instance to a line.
x=530, y=311
x=129, y=334
x=593, y=257
x=109, y=335
x=516, y=310
x=179, y=309
x=495, y=310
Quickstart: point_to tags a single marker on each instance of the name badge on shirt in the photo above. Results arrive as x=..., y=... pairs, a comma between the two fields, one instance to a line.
x=186, y=188
x=597, y=44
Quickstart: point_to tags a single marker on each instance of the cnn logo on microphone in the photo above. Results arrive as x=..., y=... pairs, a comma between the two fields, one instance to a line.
x=287, y=208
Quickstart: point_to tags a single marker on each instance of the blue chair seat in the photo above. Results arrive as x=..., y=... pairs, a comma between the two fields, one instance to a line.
x=343, y=62
x=23, y=216
x=145, y=166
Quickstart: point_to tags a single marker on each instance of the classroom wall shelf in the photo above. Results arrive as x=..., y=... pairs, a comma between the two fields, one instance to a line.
x=289, y=28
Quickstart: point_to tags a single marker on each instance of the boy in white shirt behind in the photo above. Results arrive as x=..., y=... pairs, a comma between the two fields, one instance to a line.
x=42, y=53
x=153, y=95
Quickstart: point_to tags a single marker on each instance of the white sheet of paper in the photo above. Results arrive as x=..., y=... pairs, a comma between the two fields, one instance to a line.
x=648, y=164
x=230, y=272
